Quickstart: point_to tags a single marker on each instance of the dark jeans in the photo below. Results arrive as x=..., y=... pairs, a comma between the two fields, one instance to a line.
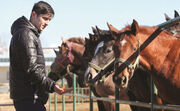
x=29, y=105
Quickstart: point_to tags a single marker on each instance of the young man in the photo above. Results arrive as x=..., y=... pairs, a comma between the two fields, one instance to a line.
x=29, y=86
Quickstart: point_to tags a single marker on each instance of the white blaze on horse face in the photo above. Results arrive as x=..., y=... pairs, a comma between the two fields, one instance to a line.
x=122, y=42
x=86, y=76
x=98, y=46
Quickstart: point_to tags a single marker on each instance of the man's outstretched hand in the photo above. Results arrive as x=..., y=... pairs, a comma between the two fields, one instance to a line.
x=61, y=91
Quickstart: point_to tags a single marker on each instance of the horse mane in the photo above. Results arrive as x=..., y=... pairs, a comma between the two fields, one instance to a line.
x=142, y=29
x=78, y=40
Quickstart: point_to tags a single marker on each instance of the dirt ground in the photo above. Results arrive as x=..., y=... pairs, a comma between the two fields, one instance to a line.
x=7, y=105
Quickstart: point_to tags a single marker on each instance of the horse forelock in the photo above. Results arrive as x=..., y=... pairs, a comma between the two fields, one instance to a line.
x=98, y=46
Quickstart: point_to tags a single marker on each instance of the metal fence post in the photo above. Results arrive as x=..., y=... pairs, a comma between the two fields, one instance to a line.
x=82, y=93
x=90, y=98
x=74, y=92
x=47, y=72
x=63, y=96
x=78, y=94
x=49, y=102
x=55, y=102
x=116, y=98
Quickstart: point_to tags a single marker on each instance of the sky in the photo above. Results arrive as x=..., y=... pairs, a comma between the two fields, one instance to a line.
x=75, y=18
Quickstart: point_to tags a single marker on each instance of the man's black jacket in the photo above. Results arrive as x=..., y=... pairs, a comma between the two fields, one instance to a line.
x=27, y=64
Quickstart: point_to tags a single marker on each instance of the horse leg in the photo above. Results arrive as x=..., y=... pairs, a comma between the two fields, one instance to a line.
x=132, y=97
x=109, y=106
x=158, y=100
x=100, y=104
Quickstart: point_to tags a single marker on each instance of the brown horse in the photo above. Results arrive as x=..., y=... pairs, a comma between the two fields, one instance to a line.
x=104, y=56
x=68, y=55
x=105, y=87
x=161, y=58
x=72, y=54
x=175, y=29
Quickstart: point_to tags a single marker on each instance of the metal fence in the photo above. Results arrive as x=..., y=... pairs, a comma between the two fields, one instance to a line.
x=92, y=98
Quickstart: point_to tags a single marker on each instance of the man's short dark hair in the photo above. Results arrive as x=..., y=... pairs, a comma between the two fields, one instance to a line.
x=42, y=7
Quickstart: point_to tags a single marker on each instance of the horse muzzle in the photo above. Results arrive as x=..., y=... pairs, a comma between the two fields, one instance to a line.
x=121, y=82
x=90, y=75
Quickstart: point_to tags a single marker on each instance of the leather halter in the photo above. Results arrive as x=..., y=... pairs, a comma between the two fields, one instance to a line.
x=130, y=65
x=99, y=69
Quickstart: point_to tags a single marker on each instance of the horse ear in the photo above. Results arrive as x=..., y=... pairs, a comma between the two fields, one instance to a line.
x=134, y=27
x=112, y=30
x=86, y=39
x=59, y=47
x=176, y=14
x=167, y=17
x=90, y=36
x=65, y=41
x=56, y=52
x=94, y=30
x=98, y=32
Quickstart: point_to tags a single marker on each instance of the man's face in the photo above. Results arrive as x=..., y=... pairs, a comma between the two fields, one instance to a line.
x=41, y=21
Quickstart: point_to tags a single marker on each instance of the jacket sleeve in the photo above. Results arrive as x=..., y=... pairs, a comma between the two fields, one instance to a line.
x=34, y=62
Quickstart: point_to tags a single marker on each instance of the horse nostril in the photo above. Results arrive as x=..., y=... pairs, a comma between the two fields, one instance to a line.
x=89, y=76
x=123, y=80
x=117, y=80
x=120, y=80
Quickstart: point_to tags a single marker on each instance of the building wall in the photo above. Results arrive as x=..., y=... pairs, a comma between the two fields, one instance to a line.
x=4, y=73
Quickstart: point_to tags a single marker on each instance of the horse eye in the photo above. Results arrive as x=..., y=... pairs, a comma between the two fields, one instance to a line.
x=108, y=50
x=134, y=48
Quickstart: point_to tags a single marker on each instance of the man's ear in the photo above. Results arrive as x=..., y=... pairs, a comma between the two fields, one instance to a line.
x=33, y=17
x=33, y=14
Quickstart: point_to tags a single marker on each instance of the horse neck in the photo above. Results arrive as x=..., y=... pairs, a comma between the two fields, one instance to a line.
x=78, y=49
x=155, y=53
x=78, y=52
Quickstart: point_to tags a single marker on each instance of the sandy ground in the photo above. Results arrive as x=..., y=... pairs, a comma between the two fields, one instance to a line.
x=7, y=105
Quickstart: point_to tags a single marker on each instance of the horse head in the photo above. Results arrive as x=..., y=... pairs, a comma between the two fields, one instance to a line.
x=103, y=55
x=126, y=43
x=68, y=58
x=63, y=59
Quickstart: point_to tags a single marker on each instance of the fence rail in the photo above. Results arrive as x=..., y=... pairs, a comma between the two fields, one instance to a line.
x=135, y=103
x=47, y=59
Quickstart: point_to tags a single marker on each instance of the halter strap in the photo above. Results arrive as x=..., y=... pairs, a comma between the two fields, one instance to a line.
x=99, y=69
